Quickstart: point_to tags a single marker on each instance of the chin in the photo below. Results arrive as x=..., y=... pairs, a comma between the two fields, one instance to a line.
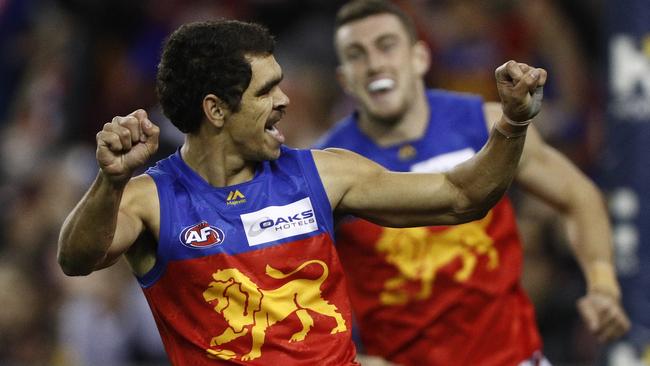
x=271, y=155
x=387, y=113
x=386, y=117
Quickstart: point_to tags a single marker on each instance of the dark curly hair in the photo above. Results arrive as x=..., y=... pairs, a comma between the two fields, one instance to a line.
x=360, y=9
x=207, y=58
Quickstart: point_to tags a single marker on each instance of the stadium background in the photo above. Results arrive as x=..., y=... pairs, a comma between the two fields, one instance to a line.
x=69, y=66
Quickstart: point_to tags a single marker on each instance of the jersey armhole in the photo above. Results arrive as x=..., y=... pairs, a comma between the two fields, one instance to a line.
x=317, y=189
x=164, y=199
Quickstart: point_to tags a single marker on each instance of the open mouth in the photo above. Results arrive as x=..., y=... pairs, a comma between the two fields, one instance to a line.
x=271, y=127
x=381, y=85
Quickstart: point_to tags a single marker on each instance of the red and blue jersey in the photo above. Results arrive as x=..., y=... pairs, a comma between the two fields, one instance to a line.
x=437, y=295
x=248, y=274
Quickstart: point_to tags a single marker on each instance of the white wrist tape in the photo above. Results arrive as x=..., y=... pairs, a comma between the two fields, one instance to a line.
x=508, y=134
x=516, y=123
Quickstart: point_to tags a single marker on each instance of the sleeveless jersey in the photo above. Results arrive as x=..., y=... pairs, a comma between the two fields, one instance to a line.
x=437, y=295
x=248, y=274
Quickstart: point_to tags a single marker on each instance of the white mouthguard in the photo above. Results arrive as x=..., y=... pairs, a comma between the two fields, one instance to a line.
x=381, y=85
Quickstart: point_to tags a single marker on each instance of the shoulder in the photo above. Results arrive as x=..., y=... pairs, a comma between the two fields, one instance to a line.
x=142, y=184
x=340, y=163
x=140, y=197
x=163, y=167
x=341, y=133
x=341, y=169
x=458, y=107
x=439, y=96
x=334, y=154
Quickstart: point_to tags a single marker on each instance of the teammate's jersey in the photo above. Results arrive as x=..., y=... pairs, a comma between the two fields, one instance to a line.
x=248, y=274
x=438, y=295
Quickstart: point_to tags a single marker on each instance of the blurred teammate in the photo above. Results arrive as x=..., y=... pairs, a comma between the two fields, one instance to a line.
x=450, y=295
x=231, y=236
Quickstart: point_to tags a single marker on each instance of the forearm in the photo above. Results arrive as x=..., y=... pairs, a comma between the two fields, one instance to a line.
x=601, y=306
x=483, y=179
x=591, y=240
x=88, y=231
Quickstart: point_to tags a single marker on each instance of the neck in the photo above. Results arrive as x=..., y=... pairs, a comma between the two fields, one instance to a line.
x=215, y=162
x=409, y=126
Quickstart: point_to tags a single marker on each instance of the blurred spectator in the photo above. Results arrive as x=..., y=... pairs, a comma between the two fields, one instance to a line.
x=15, y=27
x=25, y=319
x=122, y=328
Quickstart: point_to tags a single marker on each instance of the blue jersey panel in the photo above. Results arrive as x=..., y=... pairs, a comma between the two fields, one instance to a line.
x=283, y=203
x=456, y=131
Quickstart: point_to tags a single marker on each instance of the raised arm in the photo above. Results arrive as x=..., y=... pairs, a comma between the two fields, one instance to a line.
x=550, y=176
x=357, y=186
x=113, y=212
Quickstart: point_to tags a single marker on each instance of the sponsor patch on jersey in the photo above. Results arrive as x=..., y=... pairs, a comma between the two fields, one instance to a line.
x=443, y=162
x=201, y=235
x=278, y=222
x=235, y=197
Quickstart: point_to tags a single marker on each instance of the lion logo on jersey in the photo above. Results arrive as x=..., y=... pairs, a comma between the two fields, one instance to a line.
x=418, y=254
x=246, y=307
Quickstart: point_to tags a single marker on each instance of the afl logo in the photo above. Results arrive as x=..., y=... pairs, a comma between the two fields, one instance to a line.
x=201, y=235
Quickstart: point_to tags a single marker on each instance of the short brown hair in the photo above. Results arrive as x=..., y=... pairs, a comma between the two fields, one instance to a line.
x=360, y=9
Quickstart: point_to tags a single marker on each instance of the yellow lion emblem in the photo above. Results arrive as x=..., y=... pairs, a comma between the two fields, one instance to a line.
x=248, y=308
x=419, y=253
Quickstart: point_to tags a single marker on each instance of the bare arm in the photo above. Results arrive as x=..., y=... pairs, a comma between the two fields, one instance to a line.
x=358, y=186
x=550, y=176
x=110, y=217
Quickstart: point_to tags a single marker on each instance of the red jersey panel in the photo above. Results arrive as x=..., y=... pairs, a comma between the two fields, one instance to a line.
x=440, y=295
x=280, y=310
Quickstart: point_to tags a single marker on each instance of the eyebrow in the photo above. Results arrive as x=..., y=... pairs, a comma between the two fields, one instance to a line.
x=354, y=46
x=381, y=38
x=385, y=37
x=269, y=85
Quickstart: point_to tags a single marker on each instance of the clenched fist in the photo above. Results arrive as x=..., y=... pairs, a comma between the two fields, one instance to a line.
x=125, y=144
x=521, y=90
x=603, y=315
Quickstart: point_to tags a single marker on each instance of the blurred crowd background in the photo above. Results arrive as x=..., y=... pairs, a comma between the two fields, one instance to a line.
x=68, y=66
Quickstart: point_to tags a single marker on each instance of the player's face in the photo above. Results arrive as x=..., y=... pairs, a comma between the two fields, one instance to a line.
x=379, y=65
x=253, y=128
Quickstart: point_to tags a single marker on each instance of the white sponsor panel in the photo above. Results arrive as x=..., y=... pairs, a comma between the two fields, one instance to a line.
x=629, y=79
x=278, y=222
x=444, y=162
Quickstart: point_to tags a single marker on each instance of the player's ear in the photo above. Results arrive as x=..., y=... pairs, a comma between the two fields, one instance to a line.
x=215, y=110
x=343, y=81
x=421, y=58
